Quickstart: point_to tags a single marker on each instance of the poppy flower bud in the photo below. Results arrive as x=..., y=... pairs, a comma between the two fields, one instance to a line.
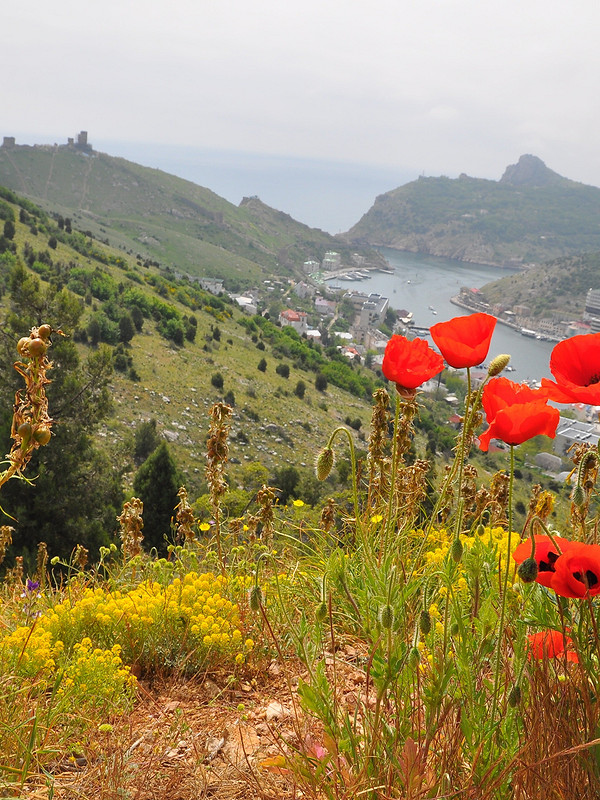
x=497, y=364
x=255, y=598
x=386, y=617
x=481, y=529
x=528, y=570
x=324, y=463
x=578, y=496
x=425, y=622
x=514, y=696
x=321, y=611
x=456, y=550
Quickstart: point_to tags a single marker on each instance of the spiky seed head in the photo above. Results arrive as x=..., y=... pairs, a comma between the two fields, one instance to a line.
x=454, y=629
x=321, y=611
x=386, y=617
x=425, y=622
x=578, y=496
x=456, y=550
x=514, y=696
x=528, y=570
x=255, y=598
x=497, y=364
x=324, y=463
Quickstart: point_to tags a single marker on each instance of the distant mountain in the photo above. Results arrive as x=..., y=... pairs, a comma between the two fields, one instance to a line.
x=531, y=215
x=165, y=218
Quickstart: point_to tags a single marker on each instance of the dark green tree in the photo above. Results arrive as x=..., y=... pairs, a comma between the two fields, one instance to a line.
x=137, y=317
x=262, y=365
x=126, y=329
x=286, y=480
x=300, y=389
x=320, y=382
x=9, y=229
x=156, y=484
x=283, y=370
x=217, y=380
x=146, y=440
x=76, y=491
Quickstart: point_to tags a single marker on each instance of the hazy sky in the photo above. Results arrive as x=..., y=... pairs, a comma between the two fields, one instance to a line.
x=423, y=86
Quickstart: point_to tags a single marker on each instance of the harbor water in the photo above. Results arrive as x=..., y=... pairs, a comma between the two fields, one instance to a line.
x=424, y=285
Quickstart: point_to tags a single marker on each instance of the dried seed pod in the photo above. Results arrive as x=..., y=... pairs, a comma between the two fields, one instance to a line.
x=36, y=348
x=42, y=435
x=44, y=331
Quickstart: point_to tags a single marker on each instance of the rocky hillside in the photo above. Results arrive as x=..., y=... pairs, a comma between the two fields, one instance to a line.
x=531, y=215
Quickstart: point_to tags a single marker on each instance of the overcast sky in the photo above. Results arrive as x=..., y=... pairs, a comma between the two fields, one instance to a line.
x=422, y=86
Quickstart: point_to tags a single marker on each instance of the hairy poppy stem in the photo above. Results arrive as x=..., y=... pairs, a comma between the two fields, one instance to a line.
x=504, y=589
x=342, y=429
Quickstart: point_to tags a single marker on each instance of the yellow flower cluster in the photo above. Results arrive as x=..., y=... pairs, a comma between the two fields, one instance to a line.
x=440, y=540
x=189, y=615
x=30, y=651
x=98, y=677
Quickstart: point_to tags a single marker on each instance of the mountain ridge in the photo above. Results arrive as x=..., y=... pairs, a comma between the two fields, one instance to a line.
x=531, y=215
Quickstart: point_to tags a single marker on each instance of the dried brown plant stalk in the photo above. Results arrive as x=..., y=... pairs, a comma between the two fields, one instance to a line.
x=131, y=523
x=31, y=424
x=184, y=517
x=217, y=452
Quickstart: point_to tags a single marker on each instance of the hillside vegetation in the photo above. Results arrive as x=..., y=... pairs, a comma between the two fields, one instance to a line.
x=147, y=348
x=530, y=216
x=557, y=289
x=164, y=218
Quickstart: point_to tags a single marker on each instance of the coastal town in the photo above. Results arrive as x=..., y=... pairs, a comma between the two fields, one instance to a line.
x=318, y=307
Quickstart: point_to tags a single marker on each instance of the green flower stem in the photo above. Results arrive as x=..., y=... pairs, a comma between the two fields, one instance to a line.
x=504, y=590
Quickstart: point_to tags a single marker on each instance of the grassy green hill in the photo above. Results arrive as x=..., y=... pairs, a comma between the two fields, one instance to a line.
x=166, y=371
x=530, y=216
x=164, y=218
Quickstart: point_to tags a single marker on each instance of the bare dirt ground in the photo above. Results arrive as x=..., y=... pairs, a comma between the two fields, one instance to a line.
x=201, y=738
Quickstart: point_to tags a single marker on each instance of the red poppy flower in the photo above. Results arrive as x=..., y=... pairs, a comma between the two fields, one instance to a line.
x=464, y=341
x=546, y=555
x=575, y=363
x=551, y=644
x=515, y=413
x=409, y=363
x=577, y=571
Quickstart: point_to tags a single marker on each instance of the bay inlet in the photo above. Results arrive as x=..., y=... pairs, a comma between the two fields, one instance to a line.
x=424, y=285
